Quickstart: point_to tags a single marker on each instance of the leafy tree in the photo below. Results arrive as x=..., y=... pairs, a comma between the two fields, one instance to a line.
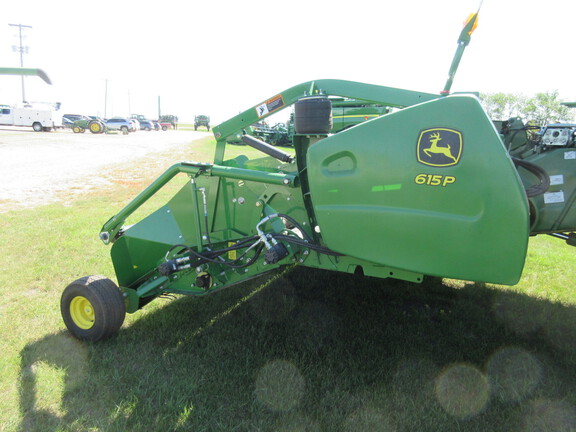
x=544, y=108
x=541, y=109
x=502, y=106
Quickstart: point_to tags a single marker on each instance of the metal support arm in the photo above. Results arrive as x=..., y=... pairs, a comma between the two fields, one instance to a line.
x=388, y=96
x=193, y=169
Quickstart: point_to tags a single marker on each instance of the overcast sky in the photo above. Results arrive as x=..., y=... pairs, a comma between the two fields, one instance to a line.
x=221, y=57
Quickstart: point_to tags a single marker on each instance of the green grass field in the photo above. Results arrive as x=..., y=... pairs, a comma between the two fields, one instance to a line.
x=301, y=350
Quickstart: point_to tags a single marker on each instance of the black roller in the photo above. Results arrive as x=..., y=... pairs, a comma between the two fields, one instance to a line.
x=267, y=148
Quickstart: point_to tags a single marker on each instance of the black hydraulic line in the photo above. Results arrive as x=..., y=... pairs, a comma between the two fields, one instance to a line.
x=304, y=243
x=211, y=257
x=539, y=172
x=238, y=245
x=296, y=224
x=517, y=131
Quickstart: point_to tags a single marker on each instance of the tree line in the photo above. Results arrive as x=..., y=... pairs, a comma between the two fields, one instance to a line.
x=538, y=110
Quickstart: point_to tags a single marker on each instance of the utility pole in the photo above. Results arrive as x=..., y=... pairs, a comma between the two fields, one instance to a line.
x=21, y=49
x=105, y=97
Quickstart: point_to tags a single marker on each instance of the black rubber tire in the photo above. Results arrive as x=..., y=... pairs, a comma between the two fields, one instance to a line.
x=37, y=127
x=313, y=116
x=124, y=130
x=106, y=313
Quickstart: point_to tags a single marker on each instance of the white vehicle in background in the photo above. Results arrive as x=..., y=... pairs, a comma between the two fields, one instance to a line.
x=120, y=124
x=38, y=116
x=135, y=124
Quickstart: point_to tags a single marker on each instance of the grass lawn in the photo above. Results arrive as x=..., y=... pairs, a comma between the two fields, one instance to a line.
x=301, y=350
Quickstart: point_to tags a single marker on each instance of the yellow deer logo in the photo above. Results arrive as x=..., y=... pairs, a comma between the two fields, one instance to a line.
x=435, y=148
x=448, y=153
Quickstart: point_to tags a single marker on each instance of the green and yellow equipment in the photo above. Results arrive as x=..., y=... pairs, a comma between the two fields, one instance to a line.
x=432, y=188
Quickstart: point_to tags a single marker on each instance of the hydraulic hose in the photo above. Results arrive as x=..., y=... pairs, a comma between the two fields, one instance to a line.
x=537, y=189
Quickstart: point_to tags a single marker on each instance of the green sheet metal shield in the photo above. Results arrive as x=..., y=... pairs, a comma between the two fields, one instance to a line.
x=428, y=189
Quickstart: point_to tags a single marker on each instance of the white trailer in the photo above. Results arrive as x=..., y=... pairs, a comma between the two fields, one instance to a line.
x=41, y=117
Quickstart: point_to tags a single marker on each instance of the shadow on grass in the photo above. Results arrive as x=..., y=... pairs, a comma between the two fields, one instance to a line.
x=319, y=351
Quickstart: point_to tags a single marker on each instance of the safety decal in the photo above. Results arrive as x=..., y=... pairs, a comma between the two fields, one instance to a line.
x=440, y=147
x=270, y=105
x=556, y=180
x=554, y=197
x=232, y=254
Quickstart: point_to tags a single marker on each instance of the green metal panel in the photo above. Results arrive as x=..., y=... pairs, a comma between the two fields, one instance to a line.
x=142, y=246
x=351, y=112
x=554, y=210
x=428, y=189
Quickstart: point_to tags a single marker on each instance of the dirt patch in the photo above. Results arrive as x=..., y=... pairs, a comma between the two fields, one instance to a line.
x=38, y=168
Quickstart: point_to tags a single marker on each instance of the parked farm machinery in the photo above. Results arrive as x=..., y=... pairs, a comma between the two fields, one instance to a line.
x=94, y=125
x=434, y=188
x=202, y=120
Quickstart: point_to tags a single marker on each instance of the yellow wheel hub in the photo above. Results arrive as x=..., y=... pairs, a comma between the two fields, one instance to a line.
x=82, y=312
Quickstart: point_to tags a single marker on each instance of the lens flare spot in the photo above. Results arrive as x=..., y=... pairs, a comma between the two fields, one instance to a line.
x=514, y=374
x=462, y=390
x=280, y=385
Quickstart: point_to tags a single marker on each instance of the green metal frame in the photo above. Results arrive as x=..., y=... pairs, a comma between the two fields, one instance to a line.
x=193, y=169
x=336, y=181
x=388, y=96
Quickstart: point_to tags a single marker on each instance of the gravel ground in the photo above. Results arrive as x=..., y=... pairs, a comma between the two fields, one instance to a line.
x=41, y=167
